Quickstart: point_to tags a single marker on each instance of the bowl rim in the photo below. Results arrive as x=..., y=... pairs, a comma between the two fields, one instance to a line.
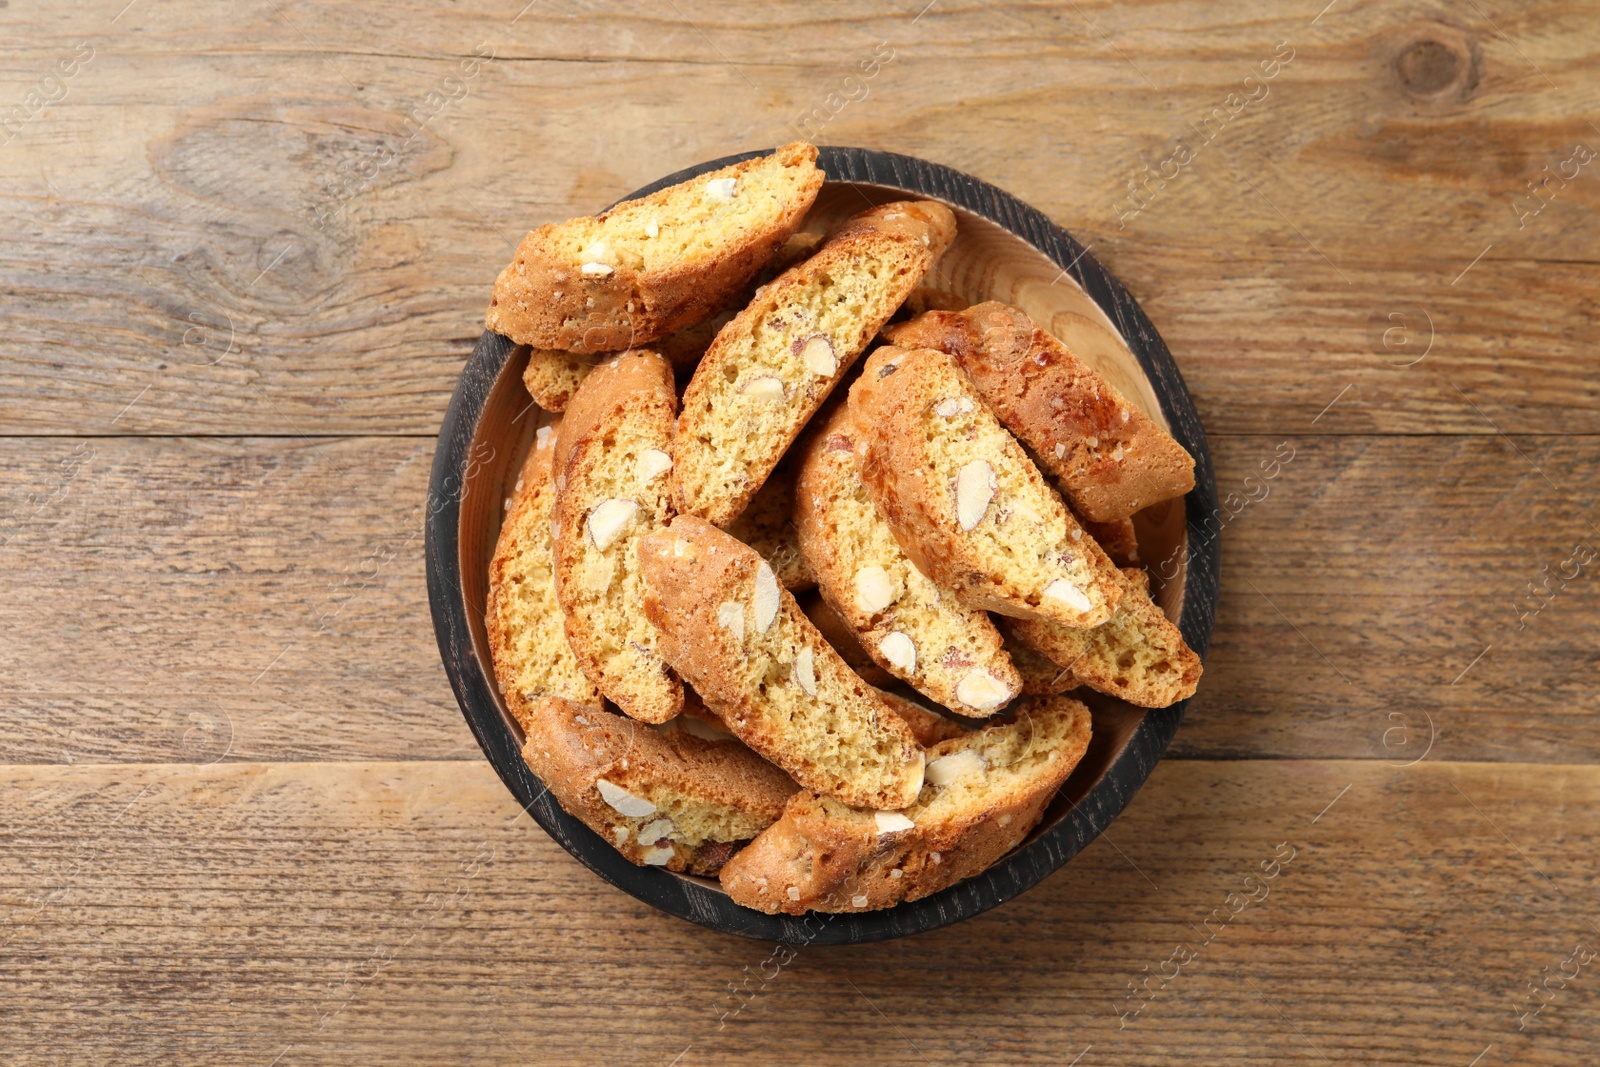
x=475, y=692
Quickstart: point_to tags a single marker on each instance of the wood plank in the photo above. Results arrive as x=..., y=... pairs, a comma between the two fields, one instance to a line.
x=336, y=913
x=168, y=272
x=263, y=599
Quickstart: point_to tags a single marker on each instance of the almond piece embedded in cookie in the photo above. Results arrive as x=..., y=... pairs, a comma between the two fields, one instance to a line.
x=767, y=672
x=770, y=369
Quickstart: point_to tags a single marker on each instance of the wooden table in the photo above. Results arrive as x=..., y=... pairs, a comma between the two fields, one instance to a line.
x=247, y=248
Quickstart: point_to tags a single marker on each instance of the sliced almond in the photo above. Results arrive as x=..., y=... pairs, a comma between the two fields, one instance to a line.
x=654, y=830
x=805, y=671
x=730, y=616
x=859, y=900
x=659, y=857
x=891, y=822
x=981, y=690
x=954, y=767
x=817, y=355
x=875, y=590
x=1063, y=590
x=951, y=406
x=763, y=388
x=900, y=651
x=652, y=228
x=975, y=486
x=766, y=600
x=608, y=519
x=652, y=464
x=722, y=188
x=594, y=270
x=793, y=892
x=622, y=800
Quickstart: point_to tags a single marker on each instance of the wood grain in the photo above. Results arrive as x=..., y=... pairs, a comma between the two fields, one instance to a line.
x=243, y=819
x=348, y=912
x=185, y=237
x=264, y=596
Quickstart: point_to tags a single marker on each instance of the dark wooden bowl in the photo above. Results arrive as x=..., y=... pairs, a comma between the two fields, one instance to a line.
x=1005, y=250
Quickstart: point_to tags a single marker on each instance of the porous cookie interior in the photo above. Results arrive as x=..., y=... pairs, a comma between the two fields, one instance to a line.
x=533, y=657
x=948, y=643
x=686, y=224
x=767, y=387
x=605, y=584
x=836, y=736
x=1024, y=532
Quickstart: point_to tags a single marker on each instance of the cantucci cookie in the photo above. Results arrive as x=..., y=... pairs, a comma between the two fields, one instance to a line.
x=612, y=455
x=740, y=640
x=965, y=503
x=771, y=367
x=552, y=375
x=1138, y=655
x=985, y=791
x=924, y=636
x=527, y=640
x=768, y=527
x=649, y=266
x=661, y=798
x=834, y=630
x=1108, y=456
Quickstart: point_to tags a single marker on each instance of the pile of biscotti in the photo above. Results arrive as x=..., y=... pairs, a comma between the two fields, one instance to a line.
x=960, y=507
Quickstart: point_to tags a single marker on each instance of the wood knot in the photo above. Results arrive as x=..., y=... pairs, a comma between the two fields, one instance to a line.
x=1436, y=62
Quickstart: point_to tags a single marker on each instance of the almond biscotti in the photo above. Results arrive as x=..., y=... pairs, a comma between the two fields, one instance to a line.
x=985, y=791
x=612, y=455
x=1117, y=537
x=771, y=367
x=646, y=267
x=1108, y=456
x=551, y=375
x=927, y=725
x=965, y=503
x=1137, y=655
x=740, y=640
x=663, y=799
x=924, y=636
x=527, y=641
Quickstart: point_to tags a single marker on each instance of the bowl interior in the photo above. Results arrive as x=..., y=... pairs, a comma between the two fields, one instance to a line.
x=986, y=262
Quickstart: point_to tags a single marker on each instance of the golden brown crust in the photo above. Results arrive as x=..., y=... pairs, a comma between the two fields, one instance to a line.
x=545, y=298
x=774, y=364
x=911, y=628
x=1109, y=457
x=741, y=641
x=923, y=431
x=699, y=794
x=527, y=638
x=825, y=856
x=619, y=419
x=1139, y=655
